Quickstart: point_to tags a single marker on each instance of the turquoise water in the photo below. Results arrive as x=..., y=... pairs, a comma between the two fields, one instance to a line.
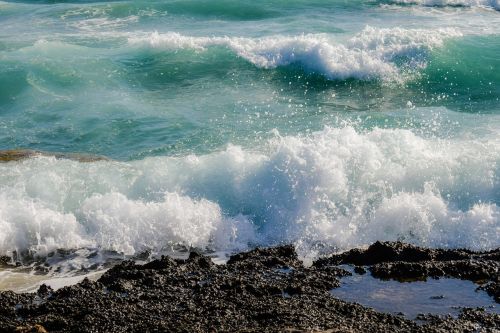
x=328, y=124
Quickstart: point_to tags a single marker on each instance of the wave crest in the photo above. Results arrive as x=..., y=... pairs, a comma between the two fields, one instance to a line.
x=372, y=54
x=338, y=187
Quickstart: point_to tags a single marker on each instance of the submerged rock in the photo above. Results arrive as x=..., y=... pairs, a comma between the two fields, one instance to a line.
x=22, y=154
x=5, y=261
x=264, y=290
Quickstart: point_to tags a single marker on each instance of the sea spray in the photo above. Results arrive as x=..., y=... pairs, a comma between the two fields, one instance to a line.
x=339, y=187
x=327, y=125
x=369, y=55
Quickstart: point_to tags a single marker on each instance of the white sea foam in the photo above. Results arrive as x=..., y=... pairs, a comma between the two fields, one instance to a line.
x=28, y=225
x=338, y=187
x=21, y=282
x=98, y=23
x=371, y=54
x=126, y=226
x=495, y=4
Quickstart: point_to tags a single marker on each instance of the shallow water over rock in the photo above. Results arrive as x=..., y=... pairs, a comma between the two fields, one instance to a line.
x=444, y=296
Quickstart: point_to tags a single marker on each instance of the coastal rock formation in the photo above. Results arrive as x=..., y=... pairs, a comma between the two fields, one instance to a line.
x=264, y=290
x=22, y=154
x=404, y=262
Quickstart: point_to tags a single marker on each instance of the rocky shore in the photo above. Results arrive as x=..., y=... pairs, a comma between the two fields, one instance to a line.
x=264, y=290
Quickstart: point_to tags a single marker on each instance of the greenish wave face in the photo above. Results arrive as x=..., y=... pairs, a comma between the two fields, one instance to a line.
x=132, y=100
x=327, y=124
x=466, y=73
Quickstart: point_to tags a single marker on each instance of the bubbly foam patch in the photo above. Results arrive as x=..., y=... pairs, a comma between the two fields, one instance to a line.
x=371, y=54
x=126, y=226
x=338, y=188
x=30, y=225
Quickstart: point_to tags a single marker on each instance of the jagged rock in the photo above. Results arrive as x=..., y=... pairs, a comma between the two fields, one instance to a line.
x=263, y=290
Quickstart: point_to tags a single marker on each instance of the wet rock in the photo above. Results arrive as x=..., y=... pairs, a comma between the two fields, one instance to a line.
x=31, y=329
x=493, y=289
x=273, y=257
x=163, y=263
x=399, y=261
x=22, y=154
x=5, y=261
x=479, y=316
x=377, y=253
x=359, y=270
x=15, y=155
x=437, y=297
x=263, y=290
x=44, y=291
x=470, y=269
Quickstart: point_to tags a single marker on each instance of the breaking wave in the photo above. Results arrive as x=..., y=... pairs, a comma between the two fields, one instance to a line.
x=373, y=54
x=339, y=188
x=495, y=4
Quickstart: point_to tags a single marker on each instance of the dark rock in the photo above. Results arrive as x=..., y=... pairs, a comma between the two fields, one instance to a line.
x=31, y=329
x=4, y=261
x=163, y=263
x=359, y=270
x=263, y=290
x=44, y=290
x=379, y=252
x=493, y=289
x=272, y=257
x=437, y=297
x=470, y=269
x=22, y=154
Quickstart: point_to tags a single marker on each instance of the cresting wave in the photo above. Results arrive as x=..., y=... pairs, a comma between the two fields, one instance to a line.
x=338, y=188
x=495, y=4
x=372, y=54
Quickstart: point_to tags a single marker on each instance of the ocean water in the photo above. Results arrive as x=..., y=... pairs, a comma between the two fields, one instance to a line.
x=231, y=124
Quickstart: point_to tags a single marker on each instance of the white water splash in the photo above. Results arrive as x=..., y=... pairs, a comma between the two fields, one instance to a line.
x=371, y=54
x=337, y=187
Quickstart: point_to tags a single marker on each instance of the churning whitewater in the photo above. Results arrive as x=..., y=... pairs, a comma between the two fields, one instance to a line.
x=369, y=55
x=337, y=187
x=325, y=124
